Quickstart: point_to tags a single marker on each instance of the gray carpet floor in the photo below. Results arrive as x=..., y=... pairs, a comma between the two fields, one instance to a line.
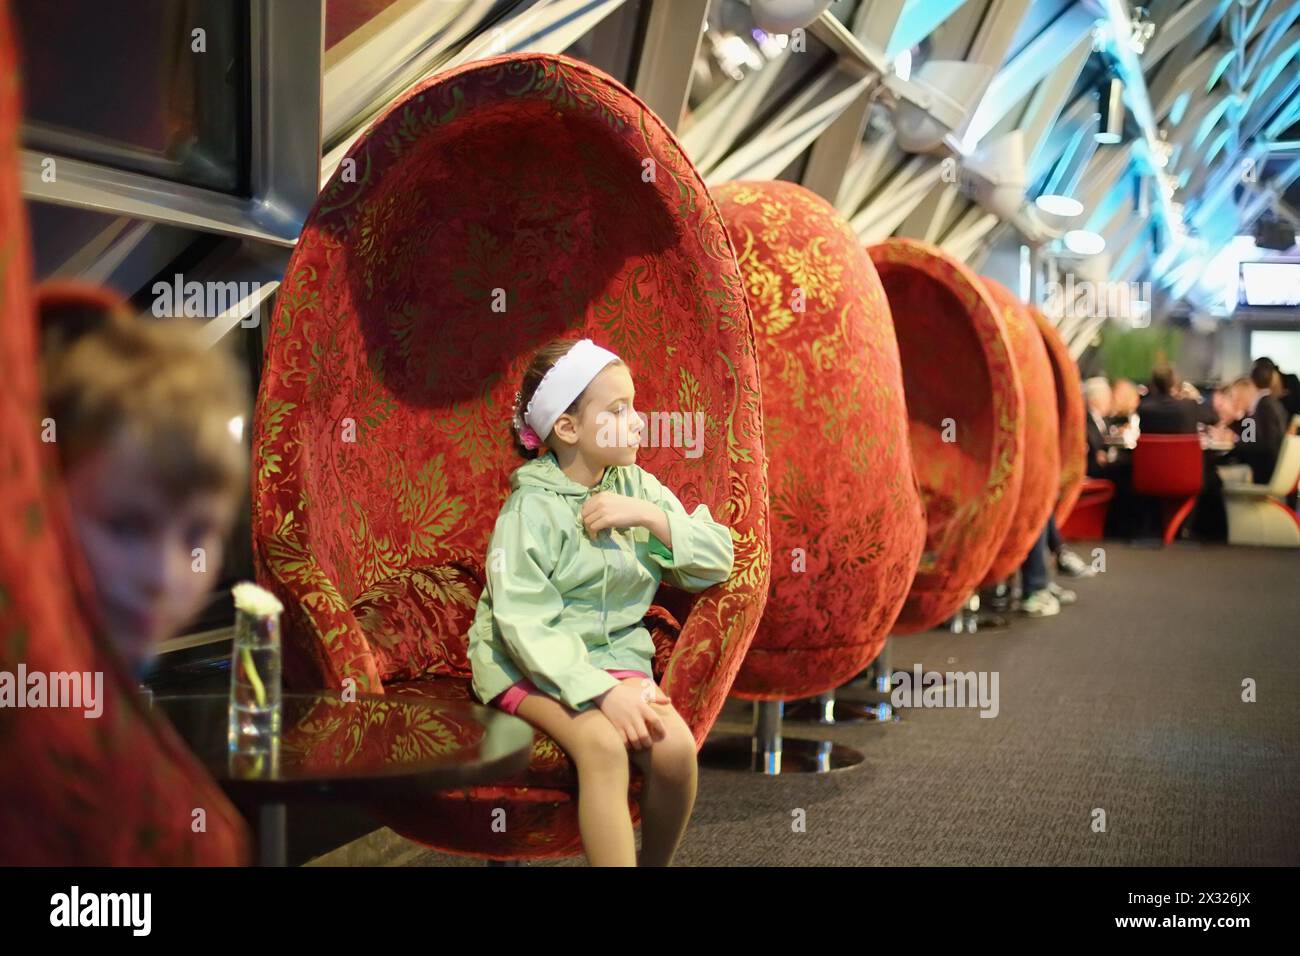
x=1129, y=702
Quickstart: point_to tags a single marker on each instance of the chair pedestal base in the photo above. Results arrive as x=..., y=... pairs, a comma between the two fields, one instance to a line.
x=827, y=710
x=768, y=753
x=969, y=620
x=869, y=699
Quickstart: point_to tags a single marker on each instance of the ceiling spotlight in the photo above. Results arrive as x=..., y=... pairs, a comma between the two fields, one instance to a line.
x=1056, y=213
x=1112, y=113
x=1142, y=197
x=782, y=16
x=1082, y=242
x=1065, y=206
x=1094, y=269
x=994, y=175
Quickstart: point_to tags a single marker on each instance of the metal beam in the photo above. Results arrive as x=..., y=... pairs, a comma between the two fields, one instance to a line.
x=1018, y=77
x=772, y=150
x=667, y=60
x=1047, y=102
x=828, y=161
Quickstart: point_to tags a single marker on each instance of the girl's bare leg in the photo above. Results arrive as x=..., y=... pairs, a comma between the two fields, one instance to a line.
x=668, y=792
x=601, y=758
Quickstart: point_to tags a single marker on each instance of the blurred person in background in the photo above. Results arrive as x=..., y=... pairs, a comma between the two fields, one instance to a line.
x=1279, y=387
x=1110, y=449
x=1125, y=398
x=1040, y=596
x=1261, y=424
x=1123, y=416
x=1172, y=407
x=1225, y=407
x=148, y=424
x=1099, y=401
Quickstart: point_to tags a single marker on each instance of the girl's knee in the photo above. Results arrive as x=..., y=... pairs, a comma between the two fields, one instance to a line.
x=598, y=747
x=674, y=756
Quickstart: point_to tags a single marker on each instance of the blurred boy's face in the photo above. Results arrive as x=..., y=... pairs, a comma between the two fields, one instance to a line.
x=140, y=546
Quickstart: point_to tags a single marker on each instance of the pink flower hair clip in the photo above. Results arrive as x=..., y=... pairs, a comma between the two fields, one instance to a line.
x=528, y=437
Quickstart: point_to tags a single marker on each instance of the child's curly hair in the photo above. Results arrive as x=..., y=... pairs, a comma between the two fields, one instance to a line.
x=543, y=361
x=106, y=368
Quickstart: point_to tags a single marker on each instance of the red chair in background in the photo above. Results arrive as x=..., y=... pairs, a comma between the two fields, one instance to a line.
x=1073, y=428
x=1169, y=467
x=1087, y=517
x=843, y=492
x=1041, y=484
x=966, y=412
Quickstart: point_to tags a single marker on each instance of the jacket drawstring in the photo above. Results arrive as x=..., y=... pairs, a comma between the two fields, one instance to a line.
x=604, y=609
x=604, y=578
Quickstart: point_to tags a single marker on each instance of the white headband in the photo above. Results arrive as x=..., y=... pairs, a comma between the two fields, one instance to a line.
x=564, y=382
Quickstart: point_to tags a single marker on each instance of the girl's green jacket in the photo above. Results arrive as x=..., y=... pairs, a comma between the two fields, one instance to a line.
x=560, y=608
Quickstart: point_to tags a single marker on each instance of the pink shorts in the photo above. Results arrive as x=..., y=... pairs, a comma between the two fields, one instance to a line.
x=510, y=698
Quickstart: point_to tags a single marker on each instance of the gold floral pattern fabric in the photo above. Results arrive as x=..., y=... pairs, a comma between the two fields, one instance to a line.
x=404, y=616
x=847, y=524
x=495, y=207
x=965, y=406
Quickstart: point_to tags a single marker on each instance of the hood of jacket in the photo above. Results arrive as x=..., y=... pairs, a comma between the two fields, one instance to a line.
x=544, y=472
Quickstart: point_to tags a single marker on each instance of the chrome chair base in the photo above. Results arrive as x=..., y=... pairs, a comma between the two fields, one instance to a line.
x=741, y=752
x=868, y=696
x=966, y=620
x=828, y=710
x=969, y=620
x=767, y=752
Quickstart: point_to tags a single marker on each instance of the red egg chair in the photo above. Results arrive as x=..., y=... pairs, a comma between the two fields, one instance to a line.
x=847, y=524
x=1042, y=474
x=119, y=788
x=1087, y=518
x=1073, y=422
x=494, y=207
x=965, y=409
x=1169, y=468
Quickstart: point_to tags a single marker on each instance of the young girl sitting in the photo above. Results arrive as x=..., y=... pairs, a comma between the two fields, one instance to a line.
x=147, y=423
x=573, y=565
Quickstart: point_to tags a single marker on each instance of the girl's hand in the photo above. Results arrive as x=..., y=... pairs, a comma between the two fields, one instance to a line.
x=648, y=690
x=605, y=509
x=630, y=712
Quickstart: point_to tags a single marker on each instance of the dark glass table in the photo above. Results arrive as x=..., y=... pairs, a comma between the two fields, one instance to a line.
x=371, y=747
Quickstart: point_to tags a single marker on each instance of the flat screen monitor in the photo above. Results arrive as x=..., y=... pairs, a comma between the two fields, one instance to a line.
x=1283, y=347
x=1270, y=283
